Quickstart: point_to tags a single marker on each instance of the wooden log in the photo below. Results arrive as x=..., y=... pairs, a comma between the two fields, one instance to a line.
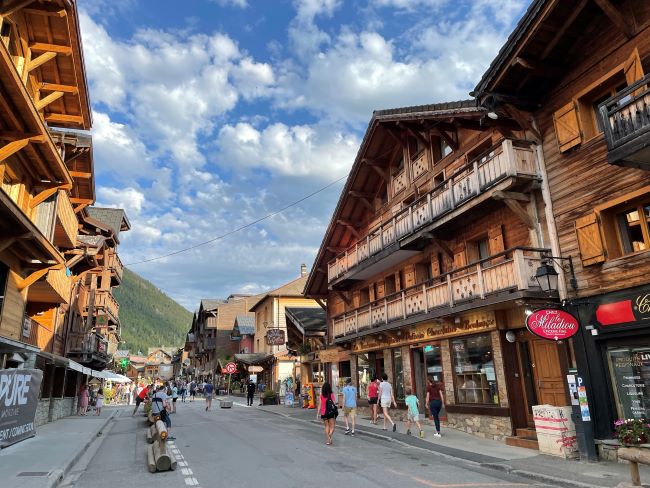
x=161, y=428
x=151, y=462
x=150, y=435
x=161, y=456
x=174, y=462
x=635, y=456
x=151, y=419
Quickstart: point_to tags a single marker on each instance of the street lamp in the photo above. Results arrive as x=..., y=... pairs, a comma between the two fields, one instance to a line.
x=546, y=276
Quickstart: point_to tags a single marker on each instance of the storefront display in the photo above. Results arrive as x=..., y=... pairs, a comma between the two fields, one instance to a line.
x=365, y=374
x=474, y=373
x=629, y=368
x=398, y=374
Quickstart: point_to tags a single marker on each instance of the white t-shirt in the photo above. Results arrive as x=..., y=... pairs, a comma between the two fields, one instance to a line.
x=385, y=391
x=158, y=406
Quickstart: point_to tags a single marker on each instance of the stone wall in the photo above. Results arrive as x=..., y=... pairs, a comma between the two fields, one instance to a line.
x=485, y=426
x=63, y=407
x=42, y=412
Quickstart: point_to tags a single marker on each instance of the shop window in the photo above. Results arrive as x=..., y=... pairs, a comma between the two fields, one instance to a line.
x=433, y=362
x=317, y=373
x=474, y=374
x=365, y=372
x=629, y=368
x=398, y=374
x=344, y=369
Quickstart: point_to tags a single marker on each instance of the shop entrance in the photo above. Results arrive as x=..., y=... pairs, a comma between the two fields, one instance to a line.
x=427, y=363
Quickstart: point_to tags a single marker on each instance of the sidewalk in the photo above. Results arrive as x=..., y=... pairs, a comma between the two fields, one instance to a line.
x=43, y=460
x=484, y=452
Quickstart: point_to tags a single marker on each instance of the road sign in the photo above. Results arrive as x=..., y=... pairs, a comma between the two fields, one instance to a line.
x=230, y=368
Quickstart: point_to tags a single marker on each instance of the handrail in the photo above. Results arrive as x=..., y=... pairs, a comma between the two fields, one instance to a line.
x=449, y=274
x=617, y=128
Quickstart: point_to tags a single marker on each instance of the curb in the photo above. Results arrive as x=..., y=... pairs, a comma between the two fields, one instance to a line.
x=57, y=475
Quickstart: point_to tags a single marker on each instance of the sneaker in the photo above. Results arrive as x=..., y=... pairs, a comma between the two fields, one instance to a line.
x=347, y=431
x=437, y=434
x=394, y=427
x=408, y=432
x=352, y=434
x=421, y=434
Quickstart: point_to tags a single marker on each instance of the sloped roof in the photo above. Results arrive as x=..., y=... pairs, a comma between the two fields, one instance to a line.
x=292, y=289
x=95, y=241
x=138, y=359
x=245, y=324
x=211, y=303
x=309, y=320
x=454, y=107
x=115, y=218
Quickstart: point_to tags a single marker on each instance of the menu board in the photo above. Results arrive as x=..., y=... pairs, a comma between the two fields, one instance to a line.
x=630, y=371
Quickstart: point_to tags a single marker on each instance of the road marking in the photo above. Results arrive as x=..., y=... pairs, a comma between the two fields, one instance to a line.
x=455, y=485
x=181, y=463
x=241, y=405
x=188, y=474
x=186, y=471
x=191, y=482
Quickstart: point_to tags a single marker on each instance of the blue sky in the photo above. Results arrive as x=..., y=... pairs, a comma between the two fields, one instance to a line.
x=209, y=114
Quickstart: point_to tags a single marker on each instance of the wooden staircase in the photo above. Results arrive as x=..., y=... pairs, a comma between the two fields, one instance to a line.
x=526, y=437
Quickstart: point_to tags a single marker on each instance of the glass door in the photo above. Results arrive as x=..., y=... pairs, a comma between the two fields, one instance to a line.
x=433, y=369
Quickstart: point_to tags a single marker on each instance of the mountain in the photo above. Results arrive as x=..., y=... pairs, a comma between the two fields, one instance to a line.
x=149, y=318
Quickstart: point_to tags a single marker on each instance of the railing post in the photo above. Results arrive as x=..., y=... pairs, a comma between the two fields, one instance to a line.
x=476, y=178
x=511, y=158
x=520, y=269
x=370, y=314
x=411, y=223
x=479, y=276
x=394, y=228
x=345, y=259
x=451, y=291
x=424, y=298
x=385, y=311
x=429, y=213
x=368, y=245
x=356, y=321
x=403, y=304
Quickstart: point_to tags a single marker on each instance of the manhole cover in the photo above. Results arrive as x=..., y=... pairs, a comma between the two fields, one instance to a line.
x=33, y=473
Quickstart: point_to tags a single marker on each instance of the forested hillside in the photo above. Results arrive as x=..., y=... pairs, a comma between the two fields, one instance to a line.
x=149, y=317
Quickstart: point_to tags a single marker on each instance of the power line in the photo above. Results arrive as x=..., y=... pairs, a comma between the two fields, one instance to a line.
x=238, y=229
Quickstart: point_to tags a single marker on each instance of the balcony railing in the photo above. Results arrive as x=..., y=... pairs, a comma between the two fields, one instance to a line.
x=510, y=158
x=513, y=269
x=88, y=343
x=65, y=231
x=36, y=334
x=626, y=123
x=114, y=263
x=103, y=302
x=400, y=181
x=54, y=287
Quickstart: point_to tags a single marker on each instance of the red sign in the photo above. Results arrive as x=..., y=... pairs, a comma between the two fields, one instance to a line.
x=230, y=368
x=552, y=324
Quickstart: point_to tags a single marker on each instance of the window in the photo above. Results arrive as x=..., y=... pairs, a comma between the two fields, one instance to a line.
x=445, y=149
x=633, y=229
x=415, y=147
x=364, y=296
x=398, y=374
x=438, y=179
x=629, y=368
x=474, y=373
x=588, y=104
x=399, y=166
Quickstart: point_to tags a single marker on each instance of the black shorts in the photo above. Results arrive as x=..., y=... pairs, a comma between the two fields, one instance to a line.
x=138, y=401
x=327, y=417
x=372, y=400
x=174, y=400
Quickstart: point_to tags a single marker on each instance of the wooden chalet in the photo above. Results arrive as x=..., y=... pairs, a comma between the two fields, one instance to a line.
x=429, y=262
x=46, y=180
x=579, y=73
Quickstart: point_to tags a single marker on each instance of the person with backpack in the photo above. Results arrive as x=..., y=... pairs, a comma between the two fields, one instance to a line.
x=192, y=390
x=328, y=411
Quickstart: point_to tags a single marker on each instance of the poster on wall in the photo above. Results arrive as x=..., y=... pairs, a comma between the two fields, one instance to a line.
x=19, y=389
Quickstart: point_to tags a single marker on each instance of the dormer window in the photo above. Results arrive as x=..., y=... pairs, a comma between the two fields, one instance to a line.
x=445, y=149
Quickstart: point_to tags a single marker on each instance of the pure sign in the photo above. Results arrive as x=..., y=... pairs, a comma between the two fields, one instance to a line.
x=19, y=390
x=553, y=324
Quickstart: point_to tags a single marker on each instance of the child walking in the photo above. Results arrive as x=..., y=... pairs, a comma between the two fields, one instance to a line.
x=413, y=414
x=99, y=401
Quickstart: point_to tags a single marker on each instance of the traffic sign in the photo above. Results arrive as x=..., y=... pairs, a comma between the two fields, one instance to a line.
x=230, y=368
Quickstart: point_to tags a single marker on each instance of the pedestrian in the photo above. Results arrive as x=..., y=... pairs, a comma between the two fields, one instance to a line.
x=84, y=396
x=208, y=390
x=250, y=393
x=192, y=391
x=386, y=398
x=349, y=406
x=412, y=413
x=183, y=391
x=99, y=401
x=174, y=396
x=142, y=394
x=160, y=406
x=435, y=400
x=373, y=398
x=328, y=411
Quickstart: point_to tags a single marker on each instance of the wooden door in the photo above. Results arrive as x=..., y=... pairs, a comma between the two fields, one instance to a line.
x=547, y=370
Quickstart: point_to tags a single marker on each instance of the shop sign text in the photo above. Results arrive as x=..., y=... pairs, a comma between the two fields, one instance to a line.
x=552, y=324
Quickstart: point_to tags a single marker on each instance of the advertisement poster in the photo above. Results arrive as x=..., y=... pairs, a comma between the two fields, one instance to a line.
x=19, y=390
x=584, y=405
x=288, y=398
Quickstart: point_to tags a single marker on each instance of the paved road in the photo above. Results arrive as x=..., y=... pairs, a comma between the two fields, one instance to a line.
x=245, y=447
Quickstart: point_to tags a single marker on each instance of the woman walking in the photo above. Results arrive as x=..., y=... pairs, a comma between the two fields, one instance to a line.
x=386, y=398
x=327, y=411
x=373, y=398
x=435, y=400
x=83, y=400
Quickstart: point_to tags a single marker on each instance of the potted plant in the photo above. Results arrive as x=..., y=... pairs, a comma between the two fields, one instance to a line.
x=632, y=432
x=304, y=348
x=269, y=398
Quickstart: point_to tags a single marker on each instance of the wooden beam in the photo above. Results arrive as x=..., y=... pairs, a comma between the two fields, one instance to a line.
x=36, y=275
x=6, y=242
x=13, y=147
x=44, y=102
x=396, y=136
x=440, y=243
x=41, y=47
x=320, y=303
x=42, y=59
x=616, y=17
x=520, y=212
x=10, y=6
x=524, y=119
x=13, y=135
x=350, y=227
x=343, y=297
x=503, y=195
x=415, y=133
x=335, y=250
x=57, y=87
x=46, y=10
x=81, y=174
x=360, y=194
x=538, y=68
x=575, y=11
x=366, y=203
x=81, y=200
x=79, y=208
x=64, y=118
x=381, y=172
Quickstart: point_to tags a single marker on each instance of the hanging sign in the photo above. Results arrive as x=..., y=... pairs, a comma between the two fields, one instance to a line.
x=255, y=369
x=552, y=324
x=275, y=337
x=230, y=368
x=19, y=389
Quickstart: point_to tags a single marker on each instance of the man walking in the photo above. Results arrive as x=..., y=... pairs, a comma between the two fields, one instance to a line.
x=208, y=390
x=250, y=393
x=160, y=407
x=349, y=406
x=142, y=394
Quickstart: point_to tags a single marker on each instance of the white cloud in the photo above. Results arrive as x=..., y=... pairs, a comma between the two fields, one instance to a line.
x=128, y=198
x=231, y=3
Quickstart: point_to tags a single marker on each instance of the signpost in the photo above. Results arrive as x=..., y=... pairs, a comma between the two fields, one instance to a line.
x=552, y=324
x=229, y=369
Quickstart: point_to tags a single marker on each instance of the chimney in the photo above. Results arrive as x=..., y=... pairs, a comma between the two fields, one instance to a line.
x=303, y=270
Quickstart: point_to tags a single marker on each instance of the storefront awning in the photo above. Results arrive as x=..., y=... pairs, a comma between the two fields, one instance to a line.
x=255, y=359
x=9, y=345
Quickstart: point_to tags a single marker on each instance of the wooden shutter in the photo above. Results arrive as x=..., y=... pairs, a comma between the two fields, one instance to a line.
x=632, y=68
x=435, y=264
x=460, y=259
x=380, y=290
x=409, y=276
x=590, y=242
x=567, y=127
x=495, y=240
x=356, y=299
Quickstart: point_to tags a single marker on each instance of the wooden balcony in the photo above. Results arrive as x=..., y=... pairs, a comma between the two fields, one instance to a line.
x=114, y=263
x=36, y=334
x=65, y=229
x=503, y=277
x=400, y=182
x=104, y=304
x=500, y=168
x=54, y=287
x=89, y=349
x=625, y=119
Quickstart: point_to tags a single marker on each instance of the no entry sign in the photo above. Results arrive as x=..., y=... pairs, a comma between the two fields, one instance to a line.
x=552, y=324
x=230, y=368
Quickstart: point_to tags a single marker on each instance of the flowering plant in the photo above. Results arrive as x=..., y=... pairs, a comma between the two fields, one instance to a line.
x=632, y=432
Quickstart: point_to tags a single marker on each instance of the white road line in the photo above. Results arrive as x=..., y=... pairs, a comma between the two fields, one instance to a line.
x=191, y=482
x=187, y=472
x=181, y=463
x=241, y=404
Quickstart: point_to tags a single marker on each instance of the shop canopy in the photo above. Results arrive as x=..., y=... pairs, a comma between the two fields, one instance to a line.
x=255, y=359
x=111, y=376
